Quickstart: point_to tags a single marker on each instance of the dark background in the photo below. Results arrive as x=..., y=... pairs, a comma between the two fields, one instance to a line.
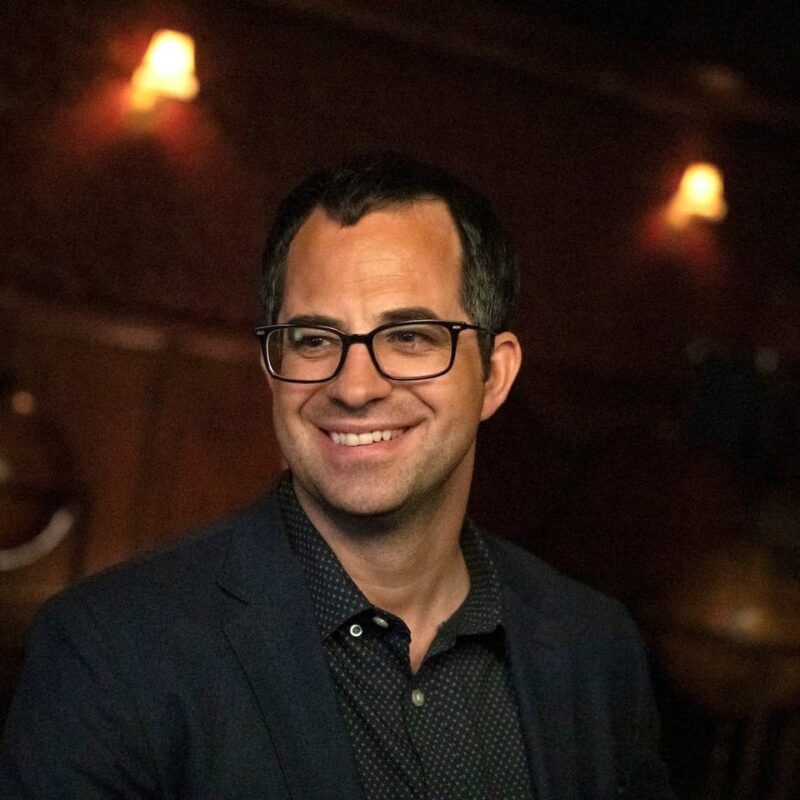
x=650, y=446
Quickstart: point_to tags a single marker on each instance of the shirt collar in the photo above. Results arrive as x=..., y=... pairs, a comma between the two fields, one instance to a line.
x=481, y=610
x=336, y=599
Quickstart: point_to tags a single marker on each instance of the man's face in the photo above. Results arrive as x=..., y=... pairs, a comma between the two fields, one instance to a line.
x=400, y=263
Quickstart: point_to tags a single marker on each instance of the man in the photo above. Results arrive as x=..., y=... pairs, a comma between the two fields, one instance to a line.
x=352, y=636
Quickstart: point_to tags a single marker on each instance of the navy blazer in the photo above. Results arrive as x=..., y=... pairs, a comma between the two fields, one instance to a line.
x=198, y=672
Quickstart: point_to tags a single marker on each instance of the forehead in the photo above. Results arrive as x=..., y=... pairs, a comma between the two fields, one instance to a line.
x=400, y=256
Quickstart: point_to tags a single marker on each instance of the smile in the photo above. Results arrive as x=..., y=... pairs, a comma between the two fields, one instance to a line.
x=360, y=439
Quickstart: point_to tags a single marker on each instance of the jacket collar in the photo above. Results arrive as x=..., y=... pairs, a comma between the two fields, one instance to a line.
x=541, y=673
x=282, y=657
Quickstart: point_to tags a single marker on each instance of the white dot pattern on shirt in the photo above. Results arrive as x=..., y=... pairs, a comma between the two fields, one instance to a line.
x=464, y=739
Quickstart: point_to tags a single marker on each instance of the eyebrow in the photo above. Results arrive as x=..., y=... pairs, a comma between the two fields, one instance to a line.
x=407, y=314
x=314, y=320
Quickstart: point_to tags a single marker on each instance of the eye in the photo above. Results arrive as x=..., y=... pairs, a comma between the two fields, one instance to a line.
x=416, y=337
x=409, y=336
x=310, y=341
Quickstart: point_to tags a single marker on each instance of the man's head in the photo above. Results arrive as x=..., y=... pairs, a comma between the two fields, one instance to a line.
x=490, y=276
x=366, y=441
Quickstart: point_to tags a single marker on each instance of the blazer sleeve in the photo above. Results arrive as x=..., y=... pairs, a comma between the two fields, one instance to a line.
x=73, y=732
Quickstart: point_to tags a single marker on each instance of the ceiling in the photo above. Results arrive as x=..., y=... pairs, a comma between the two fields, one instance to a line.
x=724, y=62
x=758, y=40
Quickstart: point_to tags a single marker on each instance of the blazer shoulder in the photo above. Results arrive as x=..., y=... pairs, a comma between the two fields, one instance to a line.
x=178, y=572
x=539, y=584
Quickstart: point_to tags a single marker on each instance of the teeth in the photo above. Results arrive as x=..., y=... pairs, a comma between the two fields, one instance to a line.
x=356, y=439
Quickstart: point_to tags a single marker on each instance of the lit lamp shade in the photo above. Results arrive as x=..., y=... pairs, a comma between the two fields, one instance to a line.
x=167, y=70
x=701, y=195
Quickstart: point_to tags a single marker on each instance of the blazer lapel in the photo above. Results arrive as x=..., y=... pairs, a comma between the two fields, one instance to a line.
x=541, y=675
x=278, y=644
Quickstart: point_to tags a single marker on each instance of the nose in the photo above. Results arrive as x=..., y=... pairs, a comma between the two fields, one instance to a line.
x=359, y=382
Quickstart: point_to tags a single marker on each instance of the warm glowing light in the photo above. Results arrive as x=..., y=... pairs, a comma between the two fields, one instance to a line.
x=167, y=70
x=700, y=195
x=23, y=402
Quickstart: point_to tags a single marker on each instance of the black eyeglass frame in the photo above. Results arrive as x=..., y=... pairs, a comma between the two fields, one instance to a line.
x=454, y=328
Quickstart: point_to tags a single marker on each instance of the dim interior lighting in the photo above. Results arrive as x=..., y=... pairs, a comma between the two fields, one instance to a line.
x=700, y=195
x=167, y=70
x=23, y=402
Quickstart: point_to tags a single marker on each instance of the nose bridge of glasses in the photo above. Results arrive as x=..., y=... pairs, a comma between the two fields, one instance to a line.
x=366, y=339
x=358, y=338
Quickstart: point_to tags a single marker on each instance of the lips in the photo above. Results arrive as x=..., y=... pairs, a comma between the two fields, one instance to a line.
x=351, y=439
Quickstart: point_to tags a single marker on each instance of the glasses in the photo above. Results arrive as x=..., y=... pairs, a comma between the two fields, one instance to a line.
x=400, y=351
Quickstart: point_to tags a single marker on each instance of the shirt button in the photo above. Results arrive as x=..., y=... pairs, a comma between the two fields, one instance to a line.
x=380, y=622
x=356, y=630
x=418, y=697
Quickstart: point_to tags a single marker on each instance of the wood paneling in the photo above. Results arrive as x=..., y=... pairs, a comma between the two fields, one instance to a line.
x=168, y=426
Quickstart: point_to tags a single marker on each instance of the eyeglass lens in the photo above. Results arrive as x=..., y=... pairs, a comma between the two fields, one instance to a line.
x=401, y=351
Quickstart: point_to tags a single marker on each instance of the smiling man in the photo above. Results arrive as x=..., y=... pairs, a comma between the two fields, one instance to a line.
x=353, y=635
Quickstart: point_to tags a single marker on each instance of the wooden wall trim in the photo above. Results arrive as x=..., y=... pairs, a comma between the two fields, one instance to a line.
x=653, y=79
x=125, y=331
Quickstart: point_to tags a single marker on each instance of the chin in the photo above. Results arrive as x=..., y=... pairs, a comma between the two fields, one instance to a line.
x=362, y=503
x=376, y=498
x=360, y=506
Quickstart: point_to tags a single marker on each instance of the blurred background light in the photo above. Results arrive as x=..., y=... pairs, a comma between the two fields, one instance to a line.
x=167, y=70
x=23, y=402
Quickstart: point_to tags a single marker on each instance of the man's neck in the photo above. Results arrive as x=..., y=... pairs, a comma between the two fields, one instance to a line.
x=412, y=567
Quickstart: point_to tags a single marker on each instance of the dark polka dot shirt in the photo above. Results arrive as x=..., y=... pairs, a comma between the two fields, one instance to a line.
x=450, y=731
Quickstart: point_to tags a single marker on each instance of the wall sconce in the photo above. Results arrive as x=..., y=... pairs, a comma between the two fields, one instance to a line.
x=167, y=70
x=700, y=195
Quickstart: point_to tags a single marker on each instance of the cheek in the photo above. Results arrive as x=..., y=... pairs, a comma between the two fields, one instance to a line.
x=287, y=403
x=471, y=387
x=459, y=400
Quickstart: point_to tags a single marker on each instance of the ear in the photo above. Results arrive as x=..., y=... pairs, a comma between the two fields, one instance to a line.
x=504, y=365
